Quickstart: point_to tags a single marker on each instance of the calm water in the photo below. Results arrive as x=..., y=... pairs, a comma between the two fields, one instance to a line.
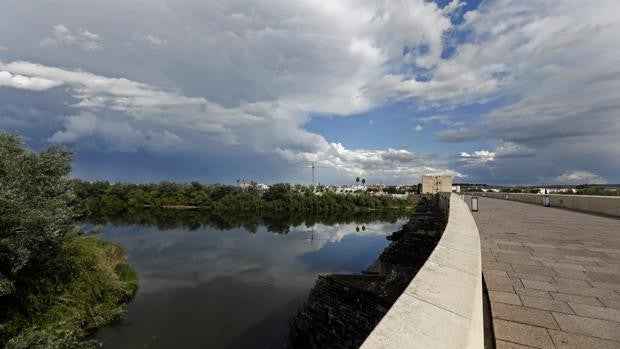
x=233, y=288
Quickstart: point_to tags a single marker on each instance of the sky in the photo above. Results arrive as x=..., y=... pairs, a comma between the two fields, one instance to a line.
x=498, y=91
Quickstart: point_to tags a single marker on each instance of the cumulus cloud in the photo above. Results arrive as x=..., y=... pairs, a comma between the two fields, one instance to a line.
x=580, y=177
x=253, y=77
x=453, y=6
x=513, y=150
x=479, y=157
x=155, y=124
x=562, y=97
x=505, y=150
x=418, y=128
x=64, y=36
x=26, y=82
x=147, y=106
x=395, y=163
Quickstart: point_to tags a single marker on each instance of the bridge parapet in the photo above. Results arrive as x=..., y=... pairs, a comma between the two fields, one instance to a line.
x=605, y=205
x=442, y=306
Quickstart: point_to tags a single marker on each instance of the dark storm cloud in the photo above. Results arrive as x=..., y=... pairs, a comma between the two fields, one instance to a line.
x=225, y=78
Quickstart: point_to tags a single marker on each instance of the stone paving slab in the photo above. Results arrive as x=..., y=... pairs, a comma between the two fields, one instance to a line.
x=553, y=275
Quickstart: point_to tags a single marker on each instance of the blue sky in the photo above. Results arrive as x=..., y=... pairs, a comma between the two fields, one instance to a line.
x=505, y=92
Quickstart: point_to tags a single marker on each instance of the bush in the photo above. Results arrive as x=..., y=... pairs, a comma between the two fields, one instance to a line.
x=85, y=287
x=55, y=283
x=35, y=210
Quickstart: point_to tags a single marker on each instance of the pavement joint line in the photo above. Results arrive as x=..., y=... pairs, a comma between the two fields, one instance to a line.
x=456, y=268
x=521, y=344
x=550, y=336
x=435, y=305
x=529, y=324
x=580, y=251
x=581, y=333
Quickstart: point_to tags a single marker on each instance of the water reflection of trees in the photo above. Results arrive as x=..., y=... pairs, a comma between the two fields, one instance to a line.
x=193, y=219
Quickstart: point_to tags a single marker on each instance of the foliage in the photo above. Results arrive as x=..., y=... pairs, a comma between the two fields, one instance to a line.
x=598, y=190
x=55, y=283
x=113, y=199
x=34, y=207
x=85, y=287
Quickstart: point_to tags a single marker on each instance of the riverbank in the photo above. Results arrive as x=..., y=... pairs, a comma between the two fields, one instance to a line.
x=109, y=199
x=85, y=286
x=196, y=207
x=342, y=309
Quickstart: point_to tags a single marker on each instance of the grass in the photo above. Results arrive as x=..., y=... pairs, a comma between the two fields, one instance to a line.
x=85, y=287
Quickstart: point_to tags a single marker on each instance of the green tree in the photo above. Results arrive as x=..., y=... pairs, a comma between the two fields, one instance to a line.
x=35, y=210
x=279, y=191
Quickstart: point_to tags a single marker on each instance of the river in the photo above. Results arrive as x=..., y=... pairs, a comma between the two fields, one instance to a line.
x=232, y=287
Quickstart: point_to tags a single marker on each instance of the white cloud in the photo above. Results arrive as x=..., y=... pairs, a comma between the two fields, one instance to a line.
x=64, y=36
x=26, y=82
x=479, y=157
x=558, y=56
x=513, y=150
x=159, y=120
x=147, y=106
x=418, y=128
x=580, y=177
x=453, y=6
x=415, y=24
x=390, y=163
x=3, y=48
x=505, y=150
x=149, y=39
x=253, y=75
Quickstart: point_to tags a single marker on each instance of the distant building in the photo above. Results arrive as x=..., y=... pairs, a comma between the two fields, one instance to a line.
x=456, y=188
x=556, y=190
x=246, y=184
x=432, y=184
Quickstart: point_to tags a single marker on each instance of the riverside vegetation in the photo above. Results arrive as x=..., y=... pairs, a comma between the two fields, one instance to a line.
x=56, y=281
x=114, y=199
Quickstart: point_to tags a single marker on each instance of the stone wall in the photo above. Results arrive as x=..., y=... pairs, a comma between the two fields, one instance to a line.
x=442, y=306
x=606, y=205
x=337, y=311
x=342, y=310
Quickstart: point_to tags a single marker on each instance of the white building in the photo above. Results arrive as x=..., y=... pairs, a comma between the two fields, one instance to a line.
x=556, y=190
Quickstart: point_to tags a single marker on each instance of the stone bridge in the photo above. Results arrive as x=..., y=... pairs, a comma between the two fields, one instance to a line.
x=553, y=275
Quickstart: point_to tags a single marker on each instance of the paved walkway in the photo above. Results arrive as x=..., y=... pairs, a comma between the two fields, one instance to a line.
x=553, y=275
